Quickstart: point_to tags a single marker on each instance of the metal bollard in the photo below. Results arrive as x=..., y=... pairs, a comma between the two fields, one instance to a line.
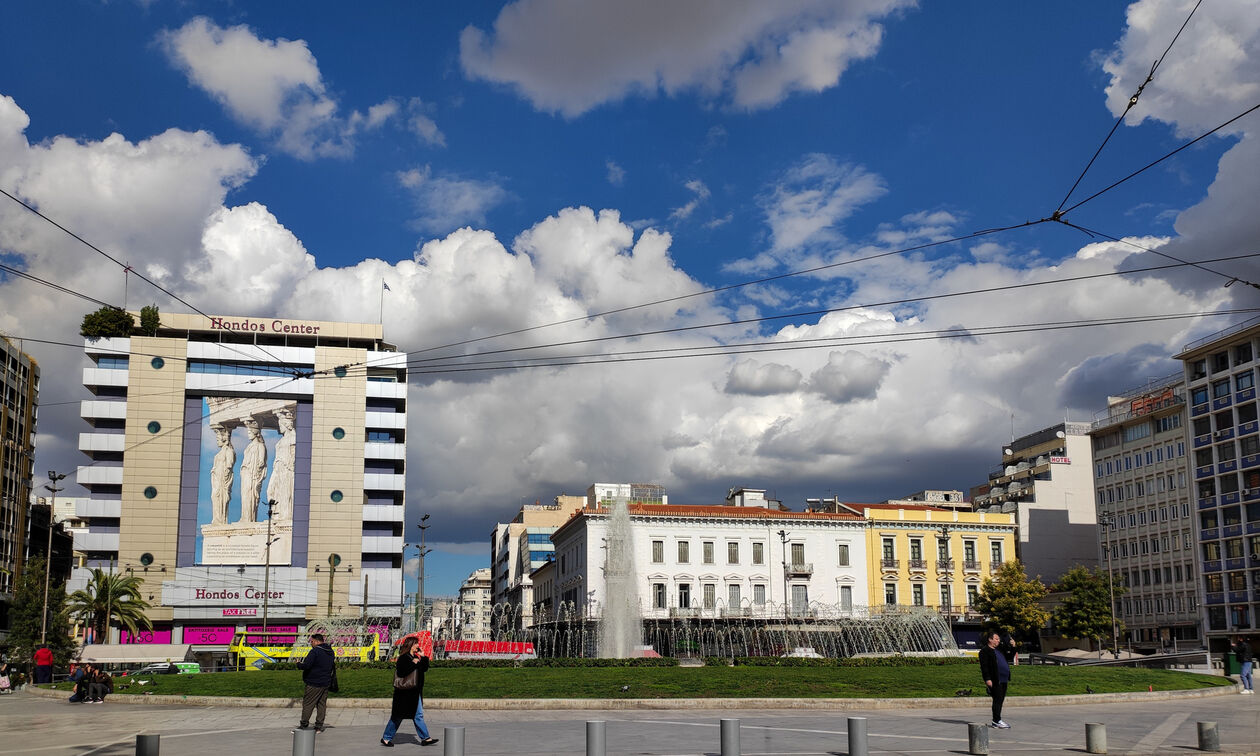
x=1095, y=737
x=147, y=745
x=1209, y=737
x=857, y=736
x=452, y=741
x=303, y=743
x=596, y=738
x=977, y=739
x=730, y=737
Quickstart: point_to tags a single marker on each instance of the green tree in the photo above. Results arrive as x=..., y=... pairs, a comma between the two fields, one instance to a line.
x=110, y=599
x=1009, y=601
x=1085, y=612
x=150, y=320
x=107, y=322
x=26, y=616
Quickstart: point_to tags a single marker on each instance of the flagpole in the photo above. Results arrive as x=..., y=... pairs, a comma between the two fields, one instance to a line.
x=382, y=318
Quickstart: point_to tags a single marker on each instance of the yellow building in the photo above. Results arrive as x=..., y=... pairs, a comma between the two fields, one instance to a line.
x=931, y=556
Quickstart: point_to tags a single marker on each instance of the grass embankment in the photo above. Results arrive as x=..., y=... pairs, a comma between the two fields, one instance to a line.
x=683, y=682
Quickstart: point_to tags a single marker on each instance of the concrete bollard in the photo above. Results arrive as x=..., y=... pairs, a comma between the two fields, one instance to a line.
x=304, y=742
x=147, y=745
x=730, y=737
x=452, y=741
x=596, y=738
x=1095, y=737
x=857, y=736
x=1209, y=737
x=977, y=739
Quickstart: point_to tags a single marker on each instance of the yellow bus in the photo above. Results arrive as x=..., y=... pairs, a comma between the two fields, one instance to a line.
x=253, y=650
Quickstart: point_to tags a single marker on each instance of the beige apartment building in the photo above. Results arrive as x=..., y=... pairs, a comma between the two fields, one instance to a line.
x=1145, y=517
x=19, y=393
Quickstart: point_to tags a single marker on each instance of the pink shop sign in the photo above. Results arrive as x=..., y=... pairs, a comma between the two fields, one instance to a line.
x=206, y=635
x=158, y=634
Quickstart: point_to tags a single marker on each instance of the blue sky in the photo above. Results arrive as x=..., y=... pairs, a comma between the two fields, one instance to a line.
x=504, y=166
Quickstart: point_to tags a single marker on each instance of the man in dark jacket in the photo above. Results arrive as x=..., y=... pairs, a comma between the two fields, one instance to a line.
x=996, y=672
x=317, y=673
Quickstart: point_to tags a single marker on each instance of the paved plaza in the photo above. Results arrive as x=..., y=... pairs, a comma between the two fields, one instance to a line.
x=46, y=727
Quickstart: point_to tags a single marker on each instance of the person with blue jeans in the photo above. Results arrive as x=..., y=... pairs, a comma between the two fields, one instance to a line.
x=1242, y=649
x=407, y=702
x=996, y=672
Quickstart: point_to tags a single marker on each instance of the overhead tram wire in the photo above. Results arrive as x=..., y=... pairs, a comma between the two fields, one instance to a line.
x=415, y=364
x=1132, y=102
x=868, y=341
x=128, y=268
x=1058, y=214
x=1094, y=232
x=719, y=289
x=828, y=342
x=54, y=286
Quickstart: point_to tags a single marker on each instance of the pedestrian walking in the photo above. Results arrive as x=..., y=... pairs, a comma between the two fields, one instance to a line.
x=318, y=669
x=996, y=672
x=6, y=678
x=43, y=664
x=408, y=693
x=1242, y=649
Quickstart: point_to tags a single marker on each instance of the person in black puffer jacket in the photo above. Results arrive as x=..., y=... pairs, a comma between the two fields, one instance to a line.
x=317, y=673
x=407, y=701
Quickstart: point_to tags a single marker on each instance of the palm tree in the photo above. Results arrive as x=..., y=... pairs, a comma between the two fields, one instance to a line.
x=108, y=599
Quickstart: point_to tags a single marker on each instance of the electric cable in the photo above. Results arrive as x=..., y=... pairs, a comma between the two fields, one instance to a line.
x=857, y=341
x=1094, y=232
x=126, y=267
x=1132, y=102
x=415, y=363
x=54, y=286
x=1060, y=213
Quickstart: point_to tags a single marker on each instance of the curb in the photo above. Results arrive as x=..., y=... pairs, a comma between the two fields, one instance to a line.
x=649, y=704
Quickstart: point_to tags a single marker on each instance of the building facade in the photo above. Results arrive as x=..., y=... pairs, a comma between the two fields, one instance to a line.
x=19, y=395
x=520, y=546
x=243, y=467
x=1046, y=480
x=1224, y=436
x=711, y=561
x=476, y=606
x=931, y=556
x=1145, y=515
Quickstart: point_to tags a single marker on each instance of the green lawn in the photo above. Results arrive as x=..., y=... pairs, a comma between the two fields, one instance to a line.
x=685, y=682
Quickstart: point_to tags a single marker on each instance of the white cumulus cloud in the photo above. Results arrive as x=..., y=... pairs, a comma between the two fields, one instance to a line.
x=273, y=86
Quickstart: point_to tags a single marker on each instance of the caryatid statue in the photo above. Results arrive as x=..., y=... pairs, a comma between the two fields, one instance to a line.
x=280, y=484
x=253, y=470
x=221, y=475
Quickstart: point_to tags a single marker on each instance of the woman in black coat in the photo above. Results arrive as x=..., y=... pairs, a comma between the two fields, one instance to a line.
x=407, y=703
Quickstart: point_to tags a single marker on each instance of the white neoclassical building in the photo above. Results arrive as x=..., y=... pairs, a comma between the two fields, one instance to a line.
x=746, y=558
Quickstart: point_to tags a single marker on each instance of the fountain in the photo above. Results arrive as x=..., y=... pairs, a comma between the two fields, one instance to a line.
x=620, y=627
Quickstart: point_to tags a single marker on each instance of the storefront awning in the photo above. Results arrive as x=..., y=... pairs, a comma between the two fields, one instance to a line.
x=135, y=653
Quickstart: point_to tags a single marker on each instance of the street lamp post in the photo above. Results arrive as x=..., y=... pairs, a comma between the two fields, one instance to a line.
x=420, y=577
x=787, y=605
x=943, y=556
x=269, y=503
x=53, y=477
x=1110, y=521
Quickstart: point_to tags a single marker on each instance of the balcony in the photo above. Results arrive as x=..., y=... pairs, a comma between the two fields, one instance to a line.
x=971, y=565
x=100, y=475
x=944, y=565
x=803, y=569
x=385, y=420
x=917, y=565
x=890, y=564
x=384, y=482
x=994, y=566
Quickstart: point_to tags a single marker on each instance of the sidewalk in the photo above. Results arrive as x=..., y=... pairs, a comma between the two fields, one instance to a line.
x=48, y=727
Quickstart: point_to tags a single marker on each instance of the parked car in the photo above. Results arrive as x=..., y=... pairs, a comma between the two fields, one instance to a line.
x=168, y=668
